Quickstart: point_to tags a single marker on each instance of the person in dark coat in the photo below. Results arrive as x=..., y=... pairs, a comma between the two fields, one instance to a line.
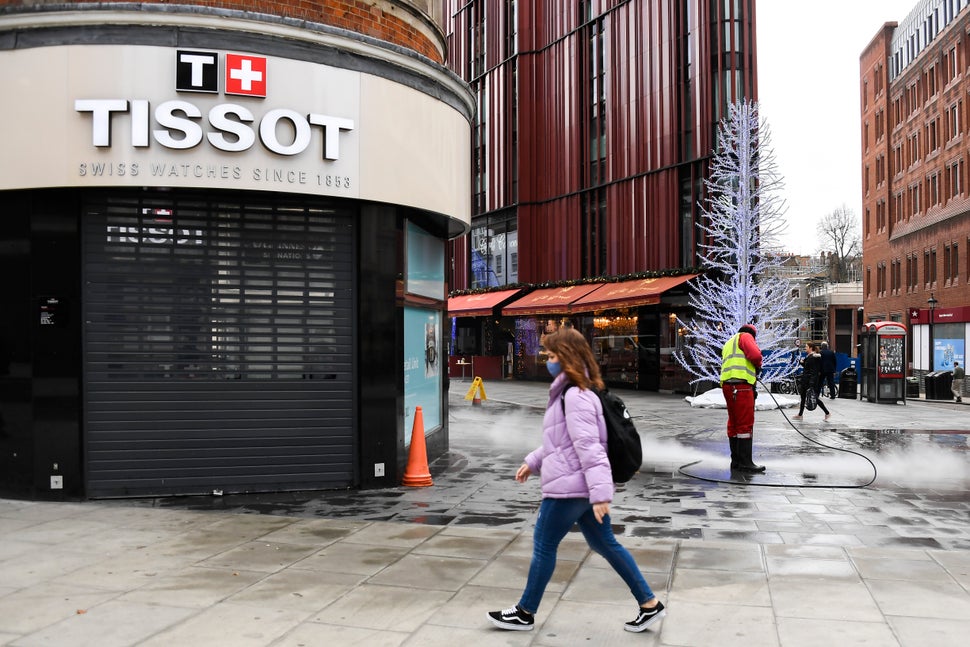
x=828, y=371
x=811, y=377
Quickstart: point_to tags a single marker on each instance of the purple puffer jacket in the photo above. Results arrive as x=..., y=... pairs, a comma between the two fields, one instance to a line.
x=572, y=459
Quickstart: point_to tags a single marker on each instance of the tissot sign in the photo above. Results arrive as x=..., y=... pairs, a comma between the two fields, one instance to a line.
x=180, y=124
x=106, y=115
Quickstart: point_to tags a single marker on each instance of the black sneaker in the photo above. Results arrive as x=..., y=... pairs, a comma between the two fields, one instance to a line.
x=646, y=618
x=515, y=619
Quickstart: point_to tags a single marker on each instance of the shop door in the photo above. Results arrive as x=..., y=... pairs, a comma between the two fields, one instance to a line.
x=218, y=344
x=16, y=373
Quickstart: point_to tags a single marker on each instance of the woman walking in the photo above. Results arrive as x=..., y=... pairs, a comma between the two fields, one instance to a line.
x=577, y=484
x=811, y=379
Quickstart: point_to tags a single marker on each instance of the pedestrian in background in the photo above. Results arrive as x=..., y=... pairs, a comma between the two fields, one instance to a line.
x=957, y=385
x=828, y=371
x=811, y=378
x=577, y=484
x=740, y=366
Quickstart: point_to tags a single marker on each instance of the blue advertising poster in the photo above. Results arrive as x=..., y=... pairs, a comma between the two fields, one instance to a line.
x=945, y=352
x=425, y=263
x=422, y=368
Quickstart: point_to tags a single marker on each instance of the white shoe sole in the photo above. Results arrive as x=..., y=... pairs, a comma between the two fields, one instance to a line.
x=510, y=627
x=654, y=620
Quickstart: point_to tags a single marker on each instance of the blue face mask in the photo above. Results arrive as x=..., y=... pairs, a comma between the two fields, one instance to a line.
x=555, y=368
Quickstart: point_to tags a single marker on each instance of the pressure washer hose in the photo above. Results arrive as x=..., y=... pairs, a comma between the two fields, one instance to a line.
x=875, y=473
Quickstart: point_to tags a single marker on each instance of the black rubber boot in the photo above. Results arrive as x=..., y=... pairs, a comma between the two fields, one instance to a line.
x=733, y=442
x=745, y=461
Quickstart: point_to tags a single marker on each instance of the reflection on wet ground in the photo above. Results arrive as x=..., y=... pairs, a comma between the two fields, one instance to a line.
x=919, y=496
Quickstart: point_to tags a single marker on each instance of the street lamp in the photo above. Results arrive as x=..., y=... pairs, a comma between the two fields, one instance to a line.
x=932, y=303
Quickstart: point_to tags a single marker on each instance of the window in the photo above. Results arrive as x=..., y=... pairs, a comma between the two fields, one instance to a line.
x=914, y=151
x=894, y=277
x=953, y=121
x=951, y=264
x=511, y=28
x=596, y=102
x=912, y=99
x=933, y=135
x=911, y=277
x=933, y=194
x=955, y=179
x=494, y=244
x=950, y=64
x=914, y=203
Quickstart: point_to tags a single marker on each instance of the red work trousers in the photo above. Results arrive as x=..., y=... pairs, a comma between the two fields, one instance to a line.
x=740, y=406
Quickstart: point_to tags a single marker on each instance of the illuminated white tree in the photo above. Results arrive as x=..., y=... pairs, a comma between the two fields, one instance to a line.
x=739, y=232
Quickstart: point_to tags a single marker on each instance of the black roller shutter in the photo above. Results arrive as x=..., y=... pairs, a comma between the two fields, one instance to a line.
x=218, y=344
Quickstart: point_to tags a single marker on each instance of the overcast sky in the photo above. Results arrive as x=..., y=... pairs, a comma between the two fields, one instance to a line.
x=808, y=87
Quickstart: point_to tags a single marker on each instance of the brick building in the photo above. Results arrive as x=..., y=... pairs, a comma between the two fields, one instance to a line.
x=914, y=84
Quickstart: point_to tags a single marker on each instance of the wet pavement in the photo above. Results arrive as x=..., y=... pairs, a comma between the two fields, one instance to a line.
x=858, y=533
x=814, y=490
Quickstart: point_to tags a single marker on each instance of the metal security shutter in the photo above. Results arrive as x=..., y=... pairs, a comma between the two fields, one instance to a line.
x=218, y=344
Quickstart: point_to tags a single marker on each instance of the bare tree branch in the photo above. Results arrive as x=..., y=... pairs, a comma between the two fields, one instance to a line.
x=840, y=234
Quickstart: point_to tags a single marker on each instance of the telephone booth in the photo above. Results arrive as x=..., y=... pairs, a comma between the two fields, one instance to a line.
x=883, y=362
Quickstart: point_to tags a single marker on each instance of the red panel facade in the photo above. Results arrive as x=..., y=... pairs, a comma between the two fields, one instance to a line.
x=596, y=126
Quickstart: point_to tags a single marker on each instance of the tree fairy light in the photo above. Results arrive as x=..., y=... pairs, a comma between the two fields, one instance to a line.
x=739, y=229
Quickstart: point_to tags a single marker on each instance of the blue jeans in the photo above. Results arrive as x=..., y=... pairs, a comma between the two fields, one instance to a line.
x=556, y=517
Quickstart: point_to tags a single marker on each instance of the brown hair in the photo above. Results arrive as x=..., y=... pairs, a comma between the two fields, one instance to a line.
x=576, y=357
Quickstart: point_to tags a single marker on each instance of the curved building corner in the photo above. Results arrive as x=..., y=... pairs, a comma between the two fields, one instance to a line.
x=223, y=234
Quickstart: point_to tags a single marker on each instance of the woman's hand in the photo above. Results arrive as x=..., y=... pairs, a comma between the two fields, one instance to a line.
x=600, y=510
x=522, y=473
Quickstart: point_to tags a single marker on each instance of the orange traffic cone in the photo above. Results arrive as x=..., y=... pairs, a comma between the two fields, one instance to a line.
x=417, y=474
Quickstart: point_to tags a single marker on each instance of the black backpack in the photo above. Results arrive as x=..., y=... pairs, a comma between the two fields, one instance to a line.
x=622, y=440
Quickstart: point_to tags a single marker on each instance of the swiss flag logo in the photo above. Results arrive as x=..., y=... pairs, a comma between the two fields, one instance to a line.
x=246, y=75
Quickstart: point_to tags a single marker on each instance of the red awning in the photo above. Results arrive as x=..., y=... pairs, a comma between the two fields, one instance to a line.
x=548, y=300
x=478, y=305
x=628, y=294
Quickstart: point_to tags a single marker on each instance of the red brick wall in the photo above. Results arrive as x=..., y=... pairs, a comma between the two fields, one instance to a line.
x=933, y=228
x=388, y=21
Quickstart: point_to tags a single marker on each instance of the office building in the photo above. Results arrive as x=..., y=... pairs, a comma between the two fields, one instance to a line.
x=595, y=125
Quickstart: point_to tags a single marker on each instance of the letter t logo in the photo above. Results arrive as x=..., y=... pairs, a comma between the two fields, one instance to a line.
x=196, y=71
